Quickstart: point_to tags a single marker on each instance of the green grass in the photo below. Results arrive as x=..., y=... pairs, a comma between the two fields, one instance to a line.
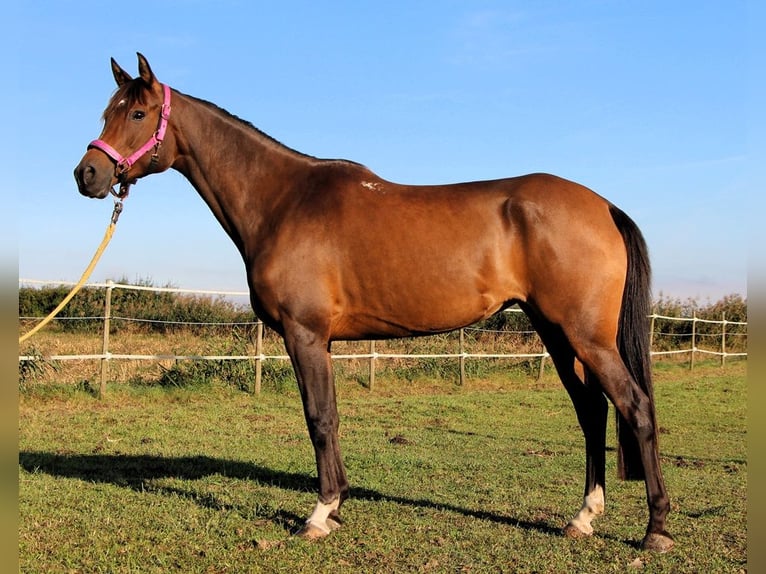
x=444, y=479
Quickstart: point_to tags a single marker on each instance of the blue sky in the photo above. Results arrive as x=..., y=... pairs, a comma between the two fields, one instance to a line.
x=651, y=104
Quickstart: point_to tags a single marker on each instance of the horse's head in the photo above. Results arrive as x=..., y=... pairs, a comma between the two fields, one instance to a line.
x=134, y=141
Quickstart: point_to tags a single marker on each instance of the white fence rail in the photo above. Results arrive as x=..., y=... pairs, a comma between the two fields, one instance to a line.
x=372, y=355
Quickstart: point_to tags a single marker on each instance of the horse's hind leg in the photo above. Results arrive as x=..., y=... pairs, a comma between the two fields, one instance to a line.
x=591, y=408
x=636, y=408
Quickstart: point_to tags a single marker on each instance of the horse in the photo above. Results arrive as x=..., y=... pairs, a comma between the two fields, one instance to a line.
x=334, y=252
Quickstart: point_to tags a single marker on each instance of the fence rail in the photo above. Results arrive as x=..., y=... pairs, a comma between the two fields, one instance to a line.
x=105, y=356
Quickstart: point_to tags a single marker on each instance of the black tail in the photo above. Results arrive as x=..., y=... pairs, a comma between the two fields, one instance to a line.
x=633, y=338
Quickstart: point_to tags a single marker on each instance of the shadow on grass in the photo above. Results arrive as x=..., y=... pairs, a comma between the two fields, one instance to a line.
x=135, y=471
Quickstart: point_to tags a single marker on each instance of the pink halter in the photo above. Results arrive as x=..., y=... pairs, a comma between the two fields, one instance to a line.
x=125, y=163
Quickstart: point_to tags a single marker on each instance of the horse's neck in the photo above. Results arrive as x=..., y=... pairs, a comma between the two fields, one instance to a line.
x=239, y=171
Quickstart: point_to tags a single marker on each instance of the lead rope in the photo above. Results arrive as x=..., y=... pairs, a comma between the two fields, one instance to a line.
x=88, y=270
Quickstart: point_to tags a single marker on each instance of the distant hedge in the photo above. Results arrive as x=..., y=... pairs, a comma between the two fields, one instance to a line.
x=162, y=308
x=678, y=333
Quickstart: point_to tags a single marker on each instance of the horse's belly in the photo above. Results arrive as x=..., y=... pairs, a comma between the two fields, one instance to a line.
x=418, y=306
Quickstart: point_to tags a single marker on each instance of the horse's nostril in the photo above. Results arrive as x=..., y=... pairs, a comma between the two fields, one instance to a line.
x=88, y=173
x=84, y=174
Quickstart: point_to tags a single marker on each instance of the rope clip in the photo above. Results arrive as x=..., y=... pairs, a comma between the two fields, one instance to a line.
x=117, y=211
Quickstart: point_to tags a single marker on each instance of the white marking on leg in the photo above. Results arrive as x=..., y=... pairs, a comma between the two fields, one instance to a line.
x=318, y=518
x=592, y=506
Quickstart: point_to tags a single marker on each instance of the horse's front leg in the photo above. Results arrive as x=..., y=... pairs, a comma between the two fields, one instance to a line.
x=310, y=356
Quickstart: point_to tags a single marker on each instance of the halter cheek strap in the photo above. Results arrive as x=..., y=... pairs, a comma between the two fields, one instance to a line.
x=125, y=163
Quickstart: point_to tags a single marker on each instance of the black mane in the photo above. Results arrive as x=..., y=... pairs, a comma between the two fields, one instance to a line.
x=134, y=92
x=245, y=123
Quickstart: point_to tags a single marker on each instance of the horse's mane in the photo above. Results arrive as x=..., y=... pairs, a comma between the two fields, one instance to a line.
x=216, y=108
x=134, y=92
x=248, y=125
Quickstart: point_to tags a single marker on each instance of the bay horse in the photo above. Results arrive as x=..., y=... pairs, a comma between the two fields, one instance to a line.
x=334, y=252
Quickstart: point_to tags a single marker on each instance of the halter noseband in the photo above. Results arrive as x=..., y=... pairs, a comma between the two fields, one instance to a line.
x=123, y=164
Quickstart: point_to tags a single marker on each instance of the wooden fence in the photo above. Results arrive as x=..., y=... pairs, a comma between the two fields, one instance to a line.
x=460, y=354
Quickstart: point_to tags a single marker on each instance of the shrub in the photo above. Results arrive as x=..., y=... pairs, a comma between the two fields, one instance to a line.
x=141, y=310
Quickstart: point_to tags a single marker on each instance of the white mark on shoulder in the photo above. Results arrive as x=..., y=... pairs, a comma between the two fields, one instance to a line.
x=372, y=186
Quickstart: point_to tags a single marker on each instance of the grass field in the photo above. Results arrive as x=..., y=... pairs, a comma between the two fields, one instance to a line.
x=444, y=478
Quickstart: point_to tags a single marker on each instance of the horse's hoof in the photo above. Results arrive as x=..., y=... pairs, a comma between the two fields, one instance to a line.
x=314, y=531
x=309, y=531
x=572, y=531
x=657, y=542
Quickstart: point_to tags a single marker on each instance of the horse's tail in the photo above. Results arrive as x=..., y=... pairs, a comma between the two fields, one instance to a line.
x=633, y=339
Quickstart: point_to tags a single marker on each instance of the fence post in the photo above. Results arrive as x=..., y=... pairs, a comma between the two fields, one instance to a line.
x=723, y=338
x=105, y=345
x=694, y=338
x=462, y=357
x=372, y=364
x=542, y=365
x=651, y=333
x=258, y=356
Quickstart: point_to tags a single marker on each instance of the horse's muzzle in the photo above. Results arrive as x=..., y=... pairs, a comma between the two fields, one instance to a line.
x=93, y=180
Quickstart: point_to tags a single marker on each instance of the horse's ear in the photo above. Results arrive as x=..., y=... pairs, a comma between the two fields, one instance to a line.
x=120, y=75
x=144, y=70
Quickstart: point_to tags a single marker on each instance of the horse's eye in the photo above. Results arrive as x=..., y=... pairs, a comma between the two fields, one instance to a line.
x=138, y=115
